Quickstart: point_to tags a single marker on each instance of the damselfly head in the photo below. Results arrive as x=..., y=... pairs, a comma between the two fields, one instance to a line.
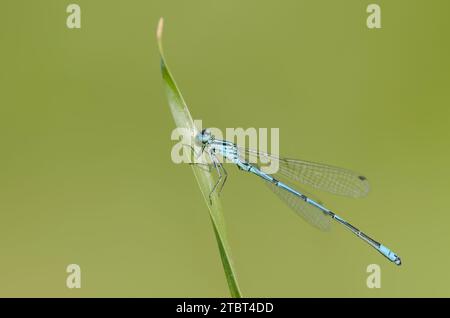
x=204, y=136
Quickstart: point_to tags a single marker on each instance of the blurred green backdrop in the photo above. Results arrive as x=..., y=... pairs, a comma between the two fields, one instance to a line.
x=85, y=169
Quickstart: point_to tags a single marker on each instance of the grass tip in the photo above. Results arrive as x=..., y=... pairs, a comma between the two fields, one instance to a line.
x=159, y=30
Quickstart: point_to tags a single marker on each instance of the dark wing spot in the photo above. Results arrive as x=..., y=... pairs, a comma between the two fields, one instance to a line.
x=362, y=178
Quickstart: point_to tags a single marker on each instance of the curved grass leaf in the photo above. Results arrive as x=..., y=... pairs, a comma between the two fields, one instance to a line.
x=204, y=178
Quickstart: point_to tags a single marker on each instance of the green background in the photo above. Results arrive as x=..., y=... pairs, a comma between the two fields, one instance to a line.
x=85, y=169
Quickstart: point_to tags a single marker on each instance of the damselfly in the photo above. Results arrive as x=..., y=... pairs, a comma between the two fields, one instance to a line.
x=294, y=172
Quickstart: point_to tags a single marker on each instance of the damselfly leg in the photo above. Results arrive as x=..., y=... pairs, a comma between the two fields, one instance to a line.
x=225, y=176
x=197, y=154
x=222, y=173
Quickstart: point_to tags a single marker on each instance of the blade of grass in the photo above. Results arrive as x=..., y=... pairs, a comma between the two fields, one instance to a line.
x=204, y=178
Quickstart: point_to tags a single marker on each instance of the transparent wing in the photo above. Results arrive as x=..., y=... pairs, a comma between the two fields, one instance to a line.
x=319, y=176
x=308, y=212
